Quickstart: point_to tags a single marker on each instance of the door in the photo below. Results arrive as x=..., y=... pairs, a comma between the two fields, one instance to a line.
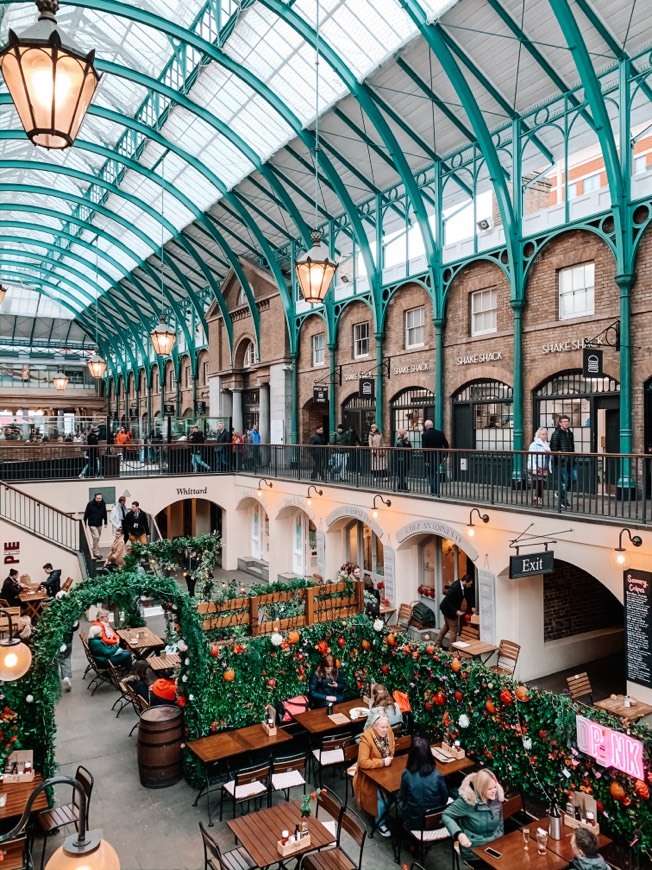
x=463, y=439
x=607, y=436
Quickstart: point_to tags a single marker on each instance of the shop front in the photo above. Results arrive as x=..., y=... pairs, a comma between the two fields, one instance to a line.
x=360, y=413
x=409, y=410
x=364, y=548
x=483, y=420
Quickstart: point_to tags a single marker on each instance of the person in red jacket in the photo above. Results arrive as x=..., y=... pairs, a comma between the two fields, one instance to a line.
x=162, y=691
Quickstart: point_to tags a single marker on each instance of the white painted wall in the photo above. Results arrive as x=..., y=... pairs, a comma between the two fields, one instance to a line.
x=33, y=553
x=519, y=603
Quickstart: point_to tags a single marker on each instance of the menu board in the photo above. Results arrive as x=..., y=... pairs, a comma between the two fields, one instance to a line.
x=638, y=626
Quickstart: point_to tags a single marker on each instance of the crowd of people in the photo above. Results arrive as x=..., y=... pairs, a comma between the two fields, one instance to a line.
x=128, y=527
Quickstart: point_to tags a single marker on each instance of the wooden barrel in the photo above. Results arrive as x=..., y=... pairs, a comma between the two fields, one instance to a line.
x=159, y=746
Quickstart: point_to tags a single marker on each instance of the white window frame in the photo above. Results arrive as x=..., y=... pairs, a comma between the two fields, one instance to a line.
x=189, y=376
x=249, y=358
x=205, y=372
x=173, y=381
x=415, y=332
x=640, y=164
x=592, y=182
x=483, y=303
x=319, y=349
x=156, y=384
x=576, y=284
x=361, y=340
x=573, y=190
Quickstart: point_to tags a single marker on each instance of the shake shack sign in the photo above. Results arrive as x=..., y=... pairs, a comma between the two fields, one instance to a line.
x=531, y=564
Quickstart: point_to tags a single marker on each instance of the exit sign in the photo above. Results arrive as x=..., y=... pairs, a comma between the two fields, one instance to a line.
x=531, y=564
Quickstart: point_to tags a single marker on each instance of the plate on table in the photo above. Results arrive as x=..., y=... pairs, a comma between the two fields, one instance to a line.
x=358, y=713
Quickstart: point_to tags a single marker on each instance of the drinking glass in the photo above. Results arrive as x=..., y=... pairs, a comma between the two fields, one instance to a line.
x=542, y=841
x=526, y=837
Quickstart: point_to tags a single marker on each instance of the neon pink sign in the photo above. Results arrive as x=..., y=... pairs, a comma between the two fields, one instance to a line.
x=610, y=748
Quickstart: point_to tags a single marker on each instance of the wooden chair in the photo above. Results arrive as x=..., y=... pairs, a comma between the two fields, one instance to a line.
x=68, y=814
x=329, y=754
x=250, y=783
x=216, y=859
x=468, y=634
x=431, y=832
x=403, y=618
x=351, y=766
x=328, y=801
x=16, y=855
x=288, y=773
x=580, y=686
x=67, y=584
x=139, y=704
x=514, y=805
x=351, y=824
x=123, y=697
x=508, y=653
x=402, y=744
x=102, y=675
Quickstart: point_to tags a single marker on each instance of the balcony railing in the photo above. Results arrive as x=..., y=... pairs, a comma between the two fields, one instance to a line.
x=598, y=485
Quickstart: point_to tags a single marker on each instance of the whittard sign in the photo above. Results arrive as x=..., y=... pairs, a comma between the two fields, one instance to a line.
x=531, y=565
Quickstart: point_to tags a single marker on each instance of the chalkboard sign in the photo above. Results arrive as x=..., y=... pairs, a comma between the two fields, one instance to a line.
x=638, y=626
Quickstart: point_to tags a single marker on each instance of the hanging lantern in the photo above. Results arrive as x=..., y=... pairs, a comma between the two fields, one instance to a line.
x=60, y=381
x=50, y=80
x=315, y=271
x=15, y=660
x=96, y=366
x=163, y=337
x=3, y=293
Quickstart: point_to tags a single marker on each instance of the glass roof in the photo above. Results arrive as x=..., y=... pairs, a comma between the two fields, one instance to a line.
x=25, y=302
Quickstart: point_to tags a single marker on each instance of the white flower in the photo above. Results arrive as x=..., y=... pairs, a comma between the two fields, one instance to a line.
x=63, y=648
x=29, y=699
x=185, y=678
x=463, y=721
x=61, y=594
x=378, y=625
x=527, y=743
x=191, y=697
x=187, y=661
x=182, y=646
x=276, y=639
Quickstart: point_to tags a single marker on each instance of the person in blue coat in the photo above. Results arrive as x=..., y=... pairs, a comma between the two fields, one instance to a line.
x=326, y=684
x=423, y=788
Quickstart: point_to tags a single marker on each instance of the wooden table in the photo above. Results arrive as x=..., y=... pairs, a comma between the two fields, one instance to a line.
x=260, y=832
x=389, y=778
x=386, y=611
x=216, y=748
x=164, y=663
x=617, y=707
x=32, y=603
x=512, y=853
x=563, y=847
x=142, y=642
x=476, y=649
x=318, y=721
x=17, y=796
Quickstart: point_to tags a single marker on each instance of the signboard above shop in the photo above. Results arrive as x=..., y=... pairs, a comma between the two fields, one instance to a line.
x=531, y=564
x=320, y=395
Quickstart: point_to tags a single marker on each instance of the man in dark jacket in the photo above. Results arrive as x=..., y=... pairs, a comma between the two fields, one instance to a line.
x=222, y=453
x=95, y=517
x=433, y=439
x=197, y=437
x=340, y=457
x=451, y=610
x=11, y=589
x=563, y=441
x=137, y=524
x=316, y=441
x=92, y=466
x=52, y=582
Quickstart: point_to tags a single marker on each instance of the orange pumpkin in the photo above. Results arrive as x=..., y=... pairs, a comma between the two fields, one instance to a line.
x=490, y=706
x=391, y=639
x=365, y=644
x=617, y=791
x=229, y=675
x=294, y=636
x=522, y=693
x=456, y=665
x=430, y=649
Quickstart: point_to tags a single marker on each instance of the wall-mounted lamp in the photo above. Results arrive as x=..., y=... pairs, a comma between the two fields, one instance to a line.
x=374, y=510
x=83, y=850
x=470, y=527
x=262, y=482
x=620, y=556
x=317, y=491
x=15, y=656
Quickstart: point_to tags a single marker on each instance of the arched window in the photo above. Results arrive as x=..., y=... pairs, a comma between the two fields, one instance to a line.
x=249, y=358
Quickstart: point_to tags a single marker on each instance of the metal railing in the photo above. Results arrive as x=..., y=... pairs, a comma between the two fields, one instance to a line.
x=39, y=518
x=591, y=484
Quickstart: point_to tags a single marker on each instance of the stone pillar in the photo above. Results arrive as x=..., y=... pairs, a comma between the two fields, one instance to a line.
x=264, y=413
x=236, y=413
x=25, y=426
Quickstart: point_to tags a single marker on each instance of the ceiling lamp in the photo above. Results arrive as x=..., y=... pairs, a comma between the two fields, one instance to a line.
x=50, y=80
x=315, y=270
x=15, y=656
x=96, y=366
x=60, y=381
x=3, y=293
x=163, y=337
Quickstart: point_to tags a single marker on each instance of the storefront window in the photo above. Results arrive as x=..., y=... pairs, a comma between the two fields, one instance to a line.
x=483, y=416
x=359, y=413
x=409, y=410
x=364, y=548
x=441, y=562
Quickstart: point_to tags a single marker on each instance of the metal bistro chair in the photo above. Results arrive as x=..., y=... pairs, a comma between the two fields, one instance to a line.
x=351, y=759
x=137, y=702
x=508, y=653
x=328, y=801
x=431, y=832
x=403, y=618
x=288, y=773
x=123, y=698
x=102, y=675
x=216, y=859
x=67, y=814
x=580, y=686
x=329, y=754
x=338, y=858
x=250, y=783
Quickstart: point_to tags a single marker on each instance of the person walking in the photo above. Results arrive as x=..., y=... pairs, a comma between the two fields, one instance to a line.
x=195, y=438
x=118, y=517
x=340, y=457
x=254, y=448
x=65, y=658
x=401, y=458
x=316, y=449
x=353, y=441
x=433, y=440
x=223, y=438
x=91, y=454
x=378, y=454
x=136, y=524
x=451, y=609
x=538, y=464
x=95, y=517
x=563, y=441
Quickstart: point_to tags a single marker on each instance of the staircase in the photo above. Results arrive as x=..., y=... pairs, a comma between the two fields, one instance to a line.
x=45, y=522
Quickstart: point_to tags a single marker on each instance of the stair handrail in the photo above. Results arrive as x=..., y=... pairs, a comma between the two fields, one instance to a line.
x=33, y=498
x=63, y=529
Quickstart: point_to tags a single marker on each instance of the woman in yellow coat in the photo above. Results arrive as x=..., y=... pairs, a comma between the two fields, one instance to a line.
x=376, y=750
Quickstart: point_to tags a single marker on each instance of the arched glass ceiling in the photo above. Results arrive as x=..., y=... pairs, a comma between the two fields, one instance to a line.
x=214, y=102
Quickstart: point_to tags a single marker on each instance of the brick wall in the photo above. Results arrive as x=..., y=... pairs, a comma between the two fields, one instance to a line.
x=575, y=602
